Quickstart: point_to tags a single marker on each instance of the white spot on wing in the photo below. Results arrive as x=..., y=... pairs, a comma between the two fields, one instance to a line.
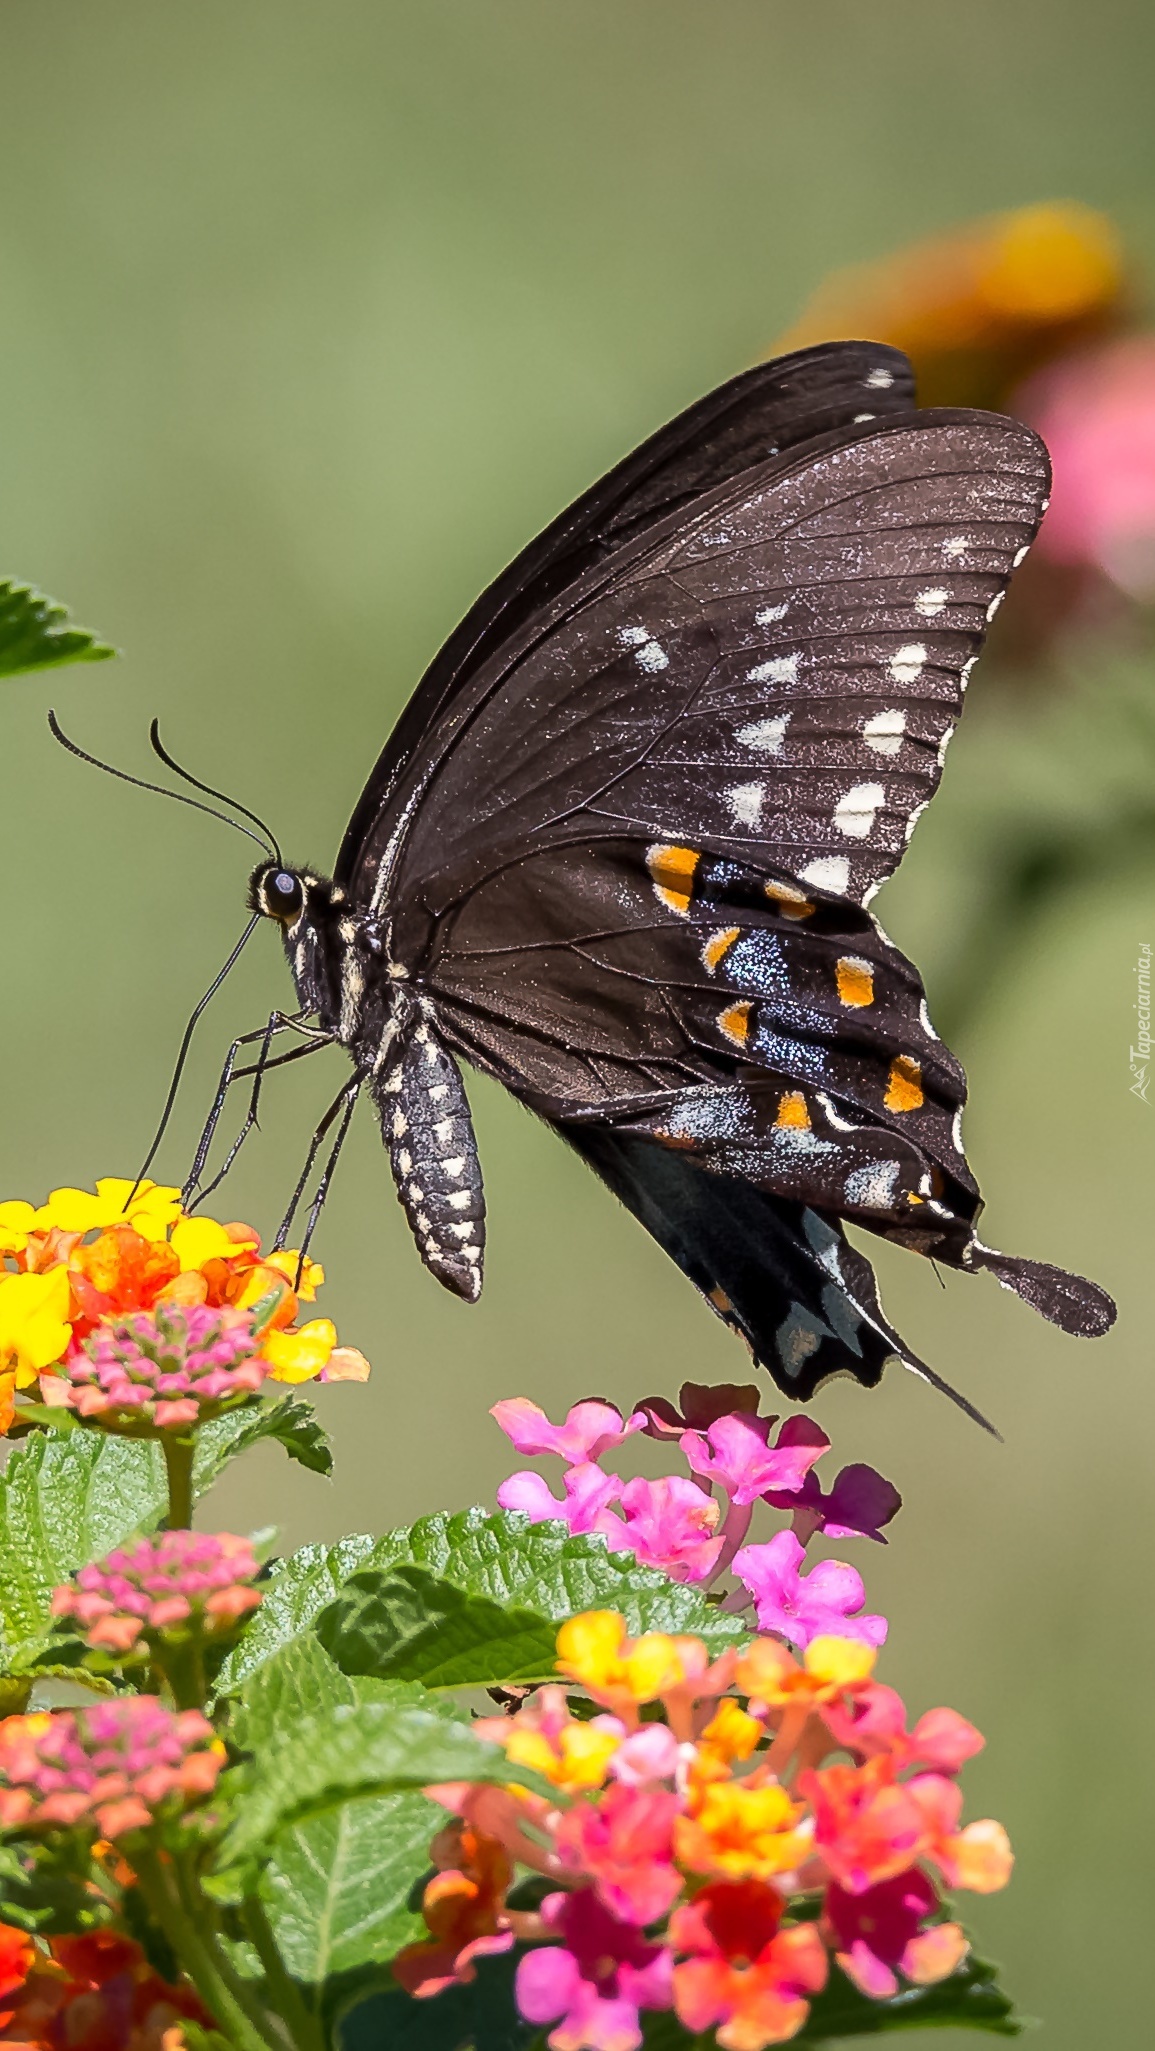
x=883, y=731
x=443, y=1130
x=932, y=601
x=767, y=735
x=454, y=1167
x=954, y=547
x=956, y=1131
x=652, y=657
x=633, y=637
x=880, y=380
x=855, y=811
x=797, y=1338
x=908, y=662
x=745, y=802
x=859, y=418
x=781, y=669
x=873, y=1186
x=829, y=872
x=769, y=614
x=943, y=745
x=460, y=1200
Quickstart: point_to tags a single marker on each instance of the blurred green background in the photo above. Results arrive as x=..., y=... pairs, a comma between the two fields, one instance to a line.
x=312, y=314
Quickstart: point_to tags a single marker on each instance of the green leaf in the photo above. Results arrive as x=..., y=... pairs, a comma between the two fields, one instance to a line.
x=351, y=1752
x=67, y=1497
x=405, y=1624
x=970, y=1998
x=337, y=1887
x=499, y=1557
x=480, y=2017
x=284, y=1418
x=36, y=632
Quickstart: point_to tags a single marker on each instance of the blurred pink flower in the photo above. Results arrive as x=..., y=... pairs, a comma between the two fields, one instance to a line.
x=878, y=1935
x=801, y=1607
x=670, y=1525
x=735, y=1452
x=588, y=1494
x=1096, y=413
x=595, y=1982
x=590, y=1428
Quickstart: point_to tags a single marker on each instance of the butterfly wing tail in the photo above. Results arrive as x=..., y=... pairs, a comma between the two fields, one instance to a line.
x=1069, y=1301
x=777, y=1272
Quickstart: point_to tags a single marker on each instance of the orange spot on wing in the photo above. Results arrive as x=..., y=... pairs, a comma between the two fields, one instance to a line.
x=793, y=904
x=735, y=1023
x=792, y=1111
x=855, y=981
x=719, y=944
x=904, y=1084
x=720, y=1300
x=672, y=870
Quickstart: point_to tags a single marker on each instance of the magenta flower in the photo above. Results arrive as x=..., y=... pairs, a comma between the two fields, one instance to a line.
x=735, y=1451
x=1096, y=413
x=164, y=1370
x=801, y=1607
x=859, y=1504
x=109, y=1768
x=179, y=1581
x=702, y=1403
x=875, y=1722
x=878, y=1934
x=670, y=1525
x=588, y=1495
x=595, y=1982
x=624, y=1841
x=590, y=1429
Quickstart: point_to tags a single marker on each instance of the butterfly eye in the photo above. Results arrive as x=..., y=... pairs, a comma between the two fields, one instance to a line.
x=285, y=895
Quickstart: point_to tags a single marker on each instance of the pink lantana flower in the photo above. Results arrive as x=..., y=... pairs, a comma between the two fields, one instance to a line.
x=1096, y=413
x=590, y=1429
x=588, y=1495
x=824, y=1603
x=670, y=1525
x=625, y=1841
x=878, y=1934
x=595, y=1981
x=859, y=1504
x=736, y=1452
x=875, y=1724
x=702, y=1403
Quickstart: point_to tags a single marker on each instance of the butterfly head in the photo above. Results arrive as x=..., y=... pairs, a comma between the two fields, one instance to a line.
x=285, y=894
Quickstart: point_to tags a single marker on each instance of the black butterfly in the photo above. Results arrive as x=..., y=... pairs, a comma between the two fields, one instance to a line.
x=618, y=852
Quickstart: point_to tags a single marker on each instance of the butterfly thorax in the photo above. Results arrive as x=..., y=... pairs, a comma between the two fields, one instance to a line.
x=346, y=979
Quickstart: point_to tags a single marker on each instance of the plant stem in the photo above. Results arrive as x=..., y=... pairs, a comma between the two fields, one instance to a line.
x=195, y=1943
x=178, y=1461
x=284, y=1990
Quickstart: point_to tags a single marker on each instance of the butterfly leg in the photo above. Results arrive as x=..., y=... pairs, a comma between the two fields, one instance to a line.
x=343, y=1103
x=278, y=1022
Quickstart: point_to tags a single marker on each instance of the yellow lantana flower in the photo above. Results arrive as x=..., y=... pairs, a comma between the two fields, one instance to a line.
x=150, y=1211
x=34, y=1327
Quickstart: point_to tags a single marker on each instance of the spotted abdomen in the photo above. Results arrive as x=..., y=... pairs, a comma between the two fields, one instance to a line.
x=429, y=1133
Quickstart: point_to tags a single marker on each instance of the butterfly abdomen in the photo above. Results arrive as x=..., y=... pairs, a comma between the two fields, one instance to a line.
x=427, y=1128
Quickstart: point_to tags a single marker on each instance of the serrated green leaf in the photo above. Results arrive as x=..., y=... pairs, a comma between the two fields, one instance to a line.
x=285, y=1419
x=500, y=1557
x=67, y=1497
x=36, y=632
x=352, y=1752
x=336, y=1888
x=301, y=1681
x=405, y=1624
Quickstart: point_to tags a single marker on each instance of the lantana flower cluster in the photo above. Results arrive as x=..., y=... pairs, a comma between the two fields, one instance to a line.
x=85, y=1265
x=693, y=1527
x=181, y=1581
x=725, y=1831
x=112, y=1769
x=95, y=1992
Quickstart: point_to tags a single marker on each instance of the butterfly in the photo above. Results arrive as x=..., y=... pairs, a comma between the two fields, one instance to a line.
x=620, y=848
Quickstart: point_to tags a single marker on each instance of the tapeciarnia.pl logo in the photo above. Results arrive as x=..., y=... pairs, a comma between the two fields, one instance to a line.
x=1141, y=1054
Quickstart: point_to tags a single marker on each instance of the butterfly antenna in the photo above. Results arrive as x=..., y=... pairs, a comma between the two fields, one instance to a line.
x=159, y=748
x=161, y=790
x=185, y=1044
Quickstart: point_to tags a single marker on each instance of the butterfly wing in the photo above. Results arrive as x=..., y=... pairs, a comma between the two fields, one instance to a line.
x=772, y=407
x=631, y=870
